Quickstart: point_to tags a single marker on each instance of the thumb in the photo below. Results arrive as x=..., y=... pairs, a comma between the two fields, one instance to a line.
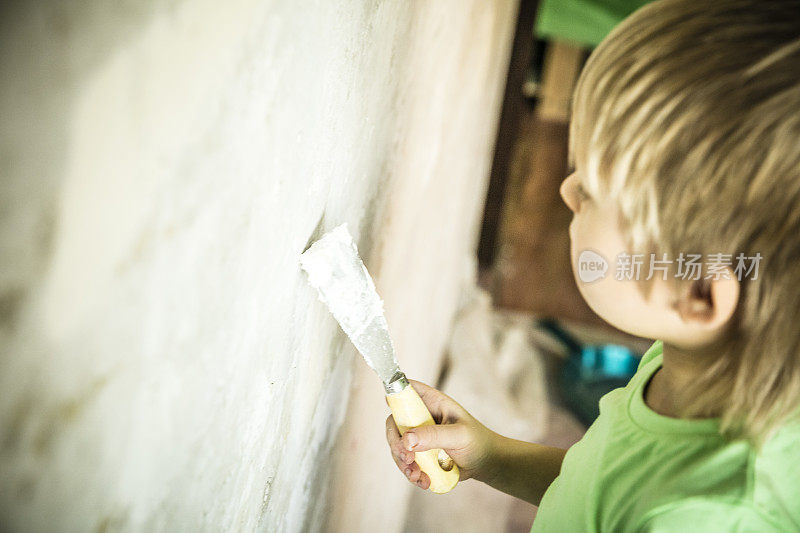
x=447, y=437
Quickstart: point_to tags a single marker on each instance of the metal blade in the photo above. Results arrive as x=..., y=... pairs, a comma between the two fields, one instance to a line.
x=335, y=269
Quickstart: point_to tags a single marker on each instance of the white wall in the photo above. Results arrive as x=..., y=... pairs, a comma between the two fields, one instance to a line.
x=163, y=365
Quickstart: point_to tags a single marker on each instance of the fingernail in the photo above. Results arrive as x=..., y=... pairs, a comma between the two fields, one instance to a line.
x=413, y=440
x=419, y=484
x=403, y=457
x=408, y=472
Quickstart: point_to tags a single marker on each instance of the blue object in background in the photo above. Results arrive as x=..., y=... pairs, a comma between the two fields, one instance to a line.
x=591, y=371
x=608, y=360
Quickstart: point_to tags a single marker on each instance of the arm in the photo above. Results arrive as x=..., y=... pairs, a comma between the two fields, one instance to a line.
x=523, y=469
x=518, y=468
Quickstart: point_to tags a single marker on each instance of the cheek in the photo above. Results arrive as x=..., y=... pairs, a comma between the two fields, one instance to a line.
x=586, y=234
x=594, y=242
x=596, y=230
x=618, y=302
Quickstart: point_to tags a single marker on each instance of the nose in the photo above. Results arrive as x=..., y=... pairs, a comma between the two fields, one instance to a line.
x=569, y=193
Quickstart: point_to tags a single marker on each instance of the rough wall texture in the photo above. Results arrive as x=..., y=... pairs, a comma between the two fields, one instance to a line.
x=163, y=365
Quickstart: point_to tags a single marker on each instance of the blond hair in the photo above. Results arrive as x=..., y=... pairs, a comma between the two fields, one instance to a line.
x=688, y=115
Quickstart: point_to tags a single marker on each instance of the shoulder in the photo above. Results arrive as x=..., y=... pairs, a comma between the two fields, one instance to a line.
x=707, y=514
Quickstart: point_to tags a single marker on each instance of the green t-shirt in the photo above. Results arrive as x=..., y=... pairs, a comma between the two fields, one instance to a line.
x=636, y=470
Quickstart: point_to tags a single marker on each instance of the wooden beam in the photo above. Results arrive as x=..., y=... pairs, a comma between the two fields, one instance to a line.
x=513, y=105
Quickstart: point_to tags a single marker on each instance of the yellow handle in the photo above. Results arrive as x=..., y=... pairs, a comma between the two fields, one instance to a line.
x=409, y=412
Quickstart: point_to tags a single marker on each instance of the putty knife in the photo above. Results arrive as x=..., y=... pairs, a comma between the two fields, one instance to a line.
x=336, y=270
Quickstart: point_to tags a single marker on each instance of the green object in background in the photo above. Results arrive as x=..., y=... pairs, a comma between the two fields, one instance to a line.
x=585, y=22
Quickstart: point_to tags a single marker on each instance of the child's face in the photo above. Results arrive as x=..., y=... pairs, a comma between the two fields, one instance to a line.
x=597, y=237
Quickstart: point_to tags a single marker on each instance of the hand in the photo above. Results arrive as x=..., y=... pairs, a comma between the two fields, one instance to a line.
x=468, y=442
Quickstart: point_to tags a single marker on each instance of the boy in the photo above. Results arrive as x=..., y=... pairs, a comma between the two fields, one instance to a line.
x=686, y=143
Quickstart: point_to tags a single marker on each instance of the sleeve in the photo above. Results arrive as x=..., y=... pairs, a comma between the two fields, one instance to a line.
x=707, y=516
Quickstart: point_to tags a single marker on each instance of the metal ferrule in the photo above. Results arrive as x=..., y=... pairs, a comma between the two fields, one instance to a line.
x=397, y=383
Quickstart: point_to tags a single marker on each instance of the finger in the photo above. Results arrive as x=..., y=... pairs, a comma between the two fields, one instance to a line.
x=400, y=464
x=423, y=481
x=410, y=470
x=447, y=437
x=404, y=459
x=406, y=469
x=401, y=456
x=441, y=406
x=428, y=394
x=413, y=472
x=392, y=433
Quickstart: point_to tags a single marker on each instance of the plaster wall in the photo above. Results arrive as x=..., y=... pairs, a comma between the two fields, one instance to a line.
x=163, y=365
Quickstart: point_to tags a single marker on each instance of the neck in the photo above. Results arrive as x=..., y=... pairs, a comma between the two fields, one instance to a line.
x=665, y=392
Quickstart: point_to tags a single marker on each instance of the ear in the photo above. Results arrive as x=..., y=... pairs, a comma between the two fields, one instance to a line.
x=709, y=304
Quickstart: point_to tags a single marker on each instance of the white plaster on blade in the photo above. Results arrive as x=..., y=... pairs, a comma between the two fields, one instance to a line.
x=343, y=283
x=335, y=269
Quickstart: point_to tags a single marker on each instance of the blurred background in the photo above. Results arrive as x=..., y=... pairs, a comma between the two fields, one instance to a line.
x=164, y=365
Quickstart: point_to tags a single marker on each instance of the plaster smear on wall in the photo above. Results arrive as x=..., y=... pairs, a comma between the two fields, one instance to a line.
x=163, y=364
